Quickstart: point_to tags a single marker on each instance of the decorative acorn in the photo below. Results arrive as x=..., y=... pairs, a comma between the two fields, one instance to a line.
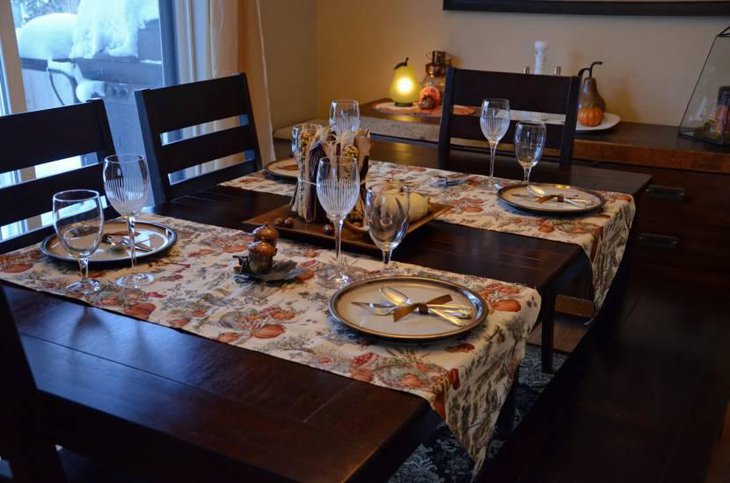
x=591, y=105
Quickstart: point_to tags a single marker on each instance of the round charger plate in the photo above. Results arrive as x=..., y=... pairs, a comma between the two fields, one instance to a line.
x=414, y=326
x=158, y=237
x=609, y=121
x=520, y=197
x=283, y=168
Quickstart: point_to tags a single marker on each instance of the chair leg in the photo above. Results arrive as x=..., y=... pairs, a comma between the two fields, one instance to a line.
x=547, y=319
x=506, y=419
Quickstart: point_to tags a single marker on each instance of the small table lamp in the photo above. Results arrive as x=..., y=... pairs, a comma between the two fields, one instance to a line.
x=404, y=87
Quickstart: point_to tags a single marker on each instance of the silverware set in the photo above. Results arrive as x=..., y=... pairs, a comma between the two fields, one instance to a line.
x=541, y=196
x=401, y=305
x=118, y=242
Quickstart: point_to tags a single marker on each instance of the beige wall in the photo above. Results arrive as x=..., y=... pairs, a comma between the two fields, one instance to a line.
x=290, y=47
x=650, y=63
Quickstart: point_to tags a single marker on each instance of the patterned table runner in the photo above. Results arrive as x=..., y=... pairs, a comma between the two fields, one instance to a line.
x=602, y=234
x=465, y=378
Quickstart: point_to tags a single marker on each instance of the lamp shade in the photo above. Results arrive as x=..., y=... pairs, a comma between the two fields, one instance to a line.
x=404, y=87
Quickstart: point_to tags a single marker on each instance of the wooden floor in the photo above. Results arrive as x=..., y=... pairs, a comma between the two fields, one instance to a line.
x=651, y=399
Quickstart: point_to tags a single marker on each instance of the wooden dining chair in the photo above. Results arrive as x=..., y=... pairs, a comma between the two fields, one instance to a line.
x=169, y=110
x=34, y=138
x=544, y=94
x=24, y=441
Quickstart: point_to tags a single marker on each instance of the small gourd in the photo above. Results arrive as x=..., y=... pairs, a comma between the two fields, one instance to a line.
x=591, y=105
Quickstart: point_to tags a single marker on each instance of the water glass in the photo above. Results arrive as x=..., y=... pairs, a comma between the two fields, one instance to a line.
x=386, y=213
x=344, y=115
x=529, y=144
x=494, y=121
x=301, y=134
x=338, y=188
x=127, y=186
x=78, y=219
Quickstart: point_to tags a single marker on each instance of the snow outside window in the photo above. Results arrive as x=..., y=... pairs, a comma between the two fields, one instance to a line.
x=71, y=51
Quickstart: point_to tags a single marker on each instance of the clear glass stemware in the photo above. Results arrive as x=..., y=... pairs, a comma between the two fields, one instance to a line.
x=386, y=213
x=299, y=135
x=78, y=219
x=338, y=186
x=529, y=144
x=344, y=115
x=494, y=121
x=127, y=186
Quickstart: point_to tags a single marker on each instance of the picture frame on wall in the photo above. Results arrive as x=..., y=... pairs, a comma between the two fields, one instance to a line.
x=597, y=7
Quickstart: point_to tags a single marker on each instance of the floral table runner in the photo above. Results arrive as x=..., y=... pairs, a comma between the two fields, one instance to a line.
x=602, y=234
x=465, y=379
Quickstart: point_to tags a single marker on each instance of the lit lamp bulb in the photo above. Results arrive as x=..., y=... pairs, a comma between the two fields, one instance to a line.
x=404, y=87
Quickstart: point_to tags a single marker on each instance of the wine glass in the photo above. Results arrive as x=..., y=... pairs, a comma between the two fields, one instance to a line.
x=338, y=187
x=494, y=121
x=386, y=214
x=78, y=219
x=529, y=144
x=344, y=115
x=126, y=182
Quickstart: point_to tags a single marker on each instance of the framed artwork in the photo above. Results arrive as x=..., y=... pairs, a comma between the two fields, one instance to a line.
x=597, y=7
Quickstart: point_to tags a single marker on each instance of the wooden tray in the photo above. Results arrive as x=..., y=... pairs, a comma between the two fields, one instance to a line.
x=313, y=231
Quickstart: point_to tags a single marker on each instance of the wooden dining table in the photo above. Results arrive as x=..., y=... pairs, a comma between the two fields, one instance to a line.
x=185, y=408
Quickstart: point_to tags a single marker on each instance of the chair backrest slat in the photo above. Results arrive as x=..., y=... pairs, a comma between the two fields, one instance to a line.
x=182, y=106
x=35, y=197
x=33, y=138
x=38, y=137
x=535, y=93
x=191, y=152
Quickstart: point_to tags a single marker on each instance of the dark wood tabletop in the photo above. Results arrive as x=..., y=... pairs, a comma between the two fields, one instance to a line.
x=190, y=408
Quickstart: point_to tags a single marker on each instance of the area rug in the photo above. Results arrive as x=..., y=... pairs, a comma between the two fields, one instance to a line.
x=442, y=459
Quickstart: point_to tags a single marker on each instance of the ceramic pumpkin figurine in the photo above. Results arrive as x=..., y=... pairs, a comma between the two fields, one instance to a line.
x=591, y=105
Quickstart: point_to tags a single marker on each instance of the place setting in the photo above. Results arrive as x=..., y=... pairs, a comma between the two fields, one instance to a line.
x=84, y=236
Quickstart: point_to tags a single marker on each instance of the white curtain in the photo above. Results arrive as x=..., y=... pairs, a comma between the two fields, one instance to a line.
x=216, y=38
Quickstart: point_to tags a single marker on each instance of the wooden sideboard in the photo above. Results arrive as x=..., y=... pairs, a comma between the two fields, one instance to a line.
x=684, y=216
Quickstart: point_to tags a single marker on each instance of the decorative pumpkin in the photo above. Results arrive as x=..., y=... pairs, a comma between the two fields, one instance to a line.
x=429, y=98
x=590, y=116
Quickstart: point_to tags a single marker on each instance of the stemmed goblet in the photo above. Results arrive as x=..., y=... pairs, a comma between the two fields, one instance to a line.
x=126, y=182
x=494, y=121
x=386, y=213
x=529, y=144
x=338, y=187
x=344, y=115
x=78, y=219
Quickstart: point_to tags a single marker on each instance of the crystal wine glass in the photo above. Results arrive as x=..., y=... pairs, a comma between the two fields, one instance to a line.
x=126, y=182
x=344, y=115
x=529, y=144
x=78, y=219
x=338, y=187
x=386, y=214
x=494, y=121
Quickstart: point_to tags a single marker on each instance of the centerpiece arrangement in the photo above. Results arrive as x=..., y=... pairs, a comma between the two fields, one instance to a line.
x=313, y=144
